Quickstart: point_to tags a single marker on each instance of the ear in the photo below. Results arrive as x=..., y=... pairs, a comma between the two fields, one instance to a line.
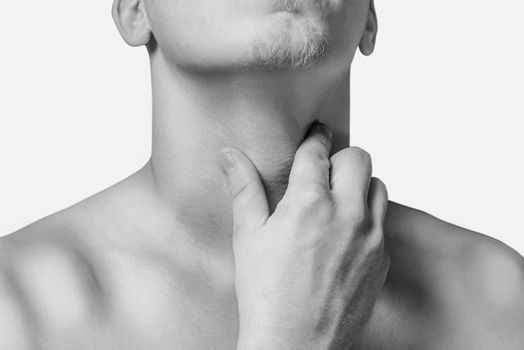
x=367, y=42
x=131, y=19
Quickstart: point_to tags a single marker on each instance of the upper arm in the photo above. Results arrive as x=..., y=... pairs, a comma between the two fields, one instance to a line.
x=15, y=316
x=45, y=291
x=478, y=281
x=497, y=280
x=485, y=293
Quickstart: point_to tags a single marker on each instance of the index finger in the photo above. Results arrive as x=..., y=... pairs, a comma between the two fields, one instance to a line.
x=311, y=163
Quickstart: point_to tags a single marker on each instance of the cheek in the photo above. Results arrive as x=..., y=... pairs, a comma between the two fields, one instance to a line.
x=218, y=34
x=349, y=24
x=196, y=33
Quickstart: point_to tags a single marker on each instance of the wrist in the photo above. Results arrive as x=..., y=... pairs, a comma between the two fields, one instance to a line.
x=278, y=340
x=258, y=342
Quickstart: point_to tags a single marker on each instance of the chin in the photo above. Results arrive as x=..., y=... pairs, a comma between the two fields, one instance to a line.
x=288, y=40
x=280, y=40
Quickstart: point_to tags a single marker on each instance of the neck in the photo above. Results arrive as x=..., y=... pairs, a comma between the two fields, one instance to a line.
x=263, y=114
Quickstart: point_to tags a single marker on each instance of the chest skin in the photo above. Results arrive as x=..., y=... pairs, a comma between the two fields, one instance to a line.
x=173, y=308
x=152, y=316
x=151, y=306
x=158, y=302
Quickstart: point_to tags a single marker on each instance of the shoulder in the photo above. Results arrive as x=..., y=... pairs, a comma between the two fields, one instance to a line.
x=478, y=255
x=47, y=283
x=479, y=280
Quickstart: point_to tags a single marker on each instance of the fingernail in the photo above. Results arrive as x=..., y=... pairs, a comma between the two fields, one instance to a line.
x=226, y=161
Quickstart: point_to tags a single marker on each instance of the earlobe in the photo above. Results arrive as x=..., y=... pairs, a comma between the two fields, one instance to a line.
x=132, y=22
x=369, y=36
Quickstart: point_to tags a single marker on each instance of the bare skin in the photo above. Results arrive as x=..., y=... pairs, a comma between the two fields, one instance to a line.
x=69, y=286
x=308, y=275
x=67, y=283
x=148, y=263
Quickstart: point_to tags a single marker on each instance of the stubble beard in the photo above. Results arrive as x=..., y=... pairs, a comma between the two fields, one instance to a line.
x=296, y=39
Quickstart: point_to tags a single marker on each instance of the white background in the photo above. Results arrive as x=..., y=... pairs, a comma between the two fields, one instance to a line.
x=438, y=105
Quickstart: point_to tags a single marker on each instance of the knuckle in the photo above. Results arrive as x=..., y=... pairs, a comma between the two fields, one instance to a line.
x=314, y=154
x=305, y=168
x=242, y=191
x=360, y=156
x=335, y=157
x=313, y=195
x=352, y=157
x=308, y=208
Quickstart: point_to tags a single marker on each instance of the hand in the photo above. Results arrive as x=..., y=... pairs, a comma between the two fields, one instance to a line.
x=307, y=276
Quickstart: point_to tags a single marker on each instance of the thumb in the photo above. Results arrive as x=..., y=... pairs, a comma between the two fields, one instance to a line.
x=250, y=207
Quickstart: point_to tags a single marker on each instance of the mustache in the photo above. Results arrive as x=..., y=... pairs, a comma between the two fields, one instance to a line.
x=295, y=6
x=288, y=5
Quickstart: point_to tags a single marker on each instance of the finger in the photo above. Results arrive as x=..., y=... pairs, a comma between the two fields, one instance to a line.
x=311, y=163
x=377, y=204
x=351, y=170
x=249, y=202
x=377, y=201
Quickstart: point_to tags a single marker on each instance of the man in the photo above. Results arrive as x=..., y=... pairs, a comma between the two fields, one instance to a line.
x=148, y=263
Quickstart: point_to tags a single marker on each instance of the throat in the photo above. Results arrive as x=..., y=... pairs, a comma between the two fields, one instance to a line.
x=265, y=117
